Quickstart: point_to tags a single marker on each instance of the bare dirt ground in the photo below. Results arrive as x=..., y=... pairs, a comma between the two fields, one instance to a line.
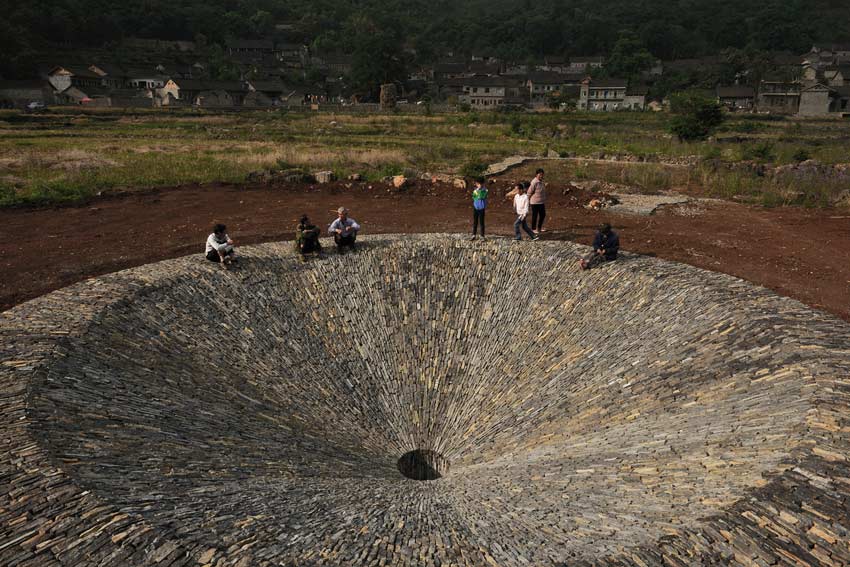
x=804, y=254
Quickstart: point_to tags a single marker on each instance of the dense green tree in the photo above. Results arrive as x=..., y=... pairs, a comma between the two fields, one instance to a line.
x=511, y=29
x=629, y=58
x=695, y=116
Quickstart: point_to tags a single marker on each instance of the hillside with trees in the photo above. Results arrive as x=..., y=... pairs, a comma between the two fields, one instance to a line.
x=391, y=34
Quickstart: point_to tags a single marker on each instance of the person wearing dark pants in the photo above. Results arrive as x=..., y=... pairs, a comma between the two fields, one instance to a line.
x=606, y=245
x=219, y=247
x=307, y=238
x=344, y=230
x=537, y=200
x=479, y=207
x=521, y=208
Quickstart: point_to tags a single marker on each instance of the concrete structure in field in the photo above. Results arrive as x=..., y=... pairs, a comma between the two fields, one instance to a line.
x=381, y=409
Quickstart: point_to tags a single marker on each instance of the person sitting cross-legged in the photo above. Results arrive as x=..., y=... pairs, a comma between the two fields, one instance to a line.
x=344, y=230
x=606, y=245
x=307, y=238
x=219, y=246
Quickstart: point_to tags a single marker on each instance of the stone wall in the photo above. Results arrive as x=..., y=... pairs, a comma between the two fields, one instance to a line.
x=645, y=413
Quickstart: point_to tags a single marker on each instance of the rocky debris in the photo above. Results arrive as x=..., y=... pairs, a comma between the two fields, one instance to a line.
x=355, y=177
x=294, y=175
x=399, y=181
x=324, y=176
x=632, y=204
x=662, y=415
x=459, y=183
x=259, y=176
x=552, y=154
x=601, y=203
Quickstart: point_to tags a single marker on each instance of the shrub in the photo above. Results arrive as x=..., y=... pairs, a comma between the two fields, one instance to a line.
x=473, y=169
x=802, y=155
x=697, y=116
x=762, y=151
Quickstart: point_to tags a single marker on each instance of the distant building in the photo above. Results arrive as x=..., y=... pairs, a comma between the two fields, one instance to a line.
x=484, y=92
x=204, y=93
x=779, y=97
x=541, y=84
x=18, y=94
x=814, y=100
x=583, y=64
x=61, y=78
x=556, y=64
x=606, y=95
x=251, y=46
x=737, y=98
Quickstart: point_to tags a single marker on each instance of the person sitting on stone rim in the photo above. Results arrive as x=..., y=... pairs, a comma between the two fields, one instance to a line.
x=307, y=238
x=606, y=245
x=344, y=230
x=219, y=246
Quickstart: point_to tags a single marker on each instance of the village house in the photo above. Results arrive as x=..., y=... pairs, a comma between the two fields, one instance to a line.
x=18, y=94
x=606, y=95
x=841, y=100
x=203, y=93
x=814, y=100
x=542, y=84
x=61, y=78
x=448, y=89
x=144, y=79
x=111, y=76
x=556, y=64
x=737, y=98
x=779, y=97
x=484, y=92
x=485, y=68
x=820, y=56
x=293, y=55
x=837, y=75
x=251, y=46
x=453, y=70
x=583, y=64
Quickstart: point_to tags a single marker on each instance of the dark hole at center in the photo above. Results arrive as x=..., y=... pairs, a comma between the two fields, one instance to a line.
x=422, y=465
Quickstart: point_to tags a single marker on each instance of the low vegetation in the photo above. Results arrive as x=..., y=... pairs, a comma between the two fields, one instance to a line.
x=69, y=155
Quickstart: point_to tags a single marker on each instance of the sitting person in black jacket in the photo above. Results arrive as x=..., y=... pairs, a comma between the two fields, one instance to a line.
x=606, y=244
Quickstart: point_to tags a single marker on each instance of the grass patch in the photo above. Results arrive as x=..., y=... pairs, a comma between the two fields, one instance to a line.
x=67, y=154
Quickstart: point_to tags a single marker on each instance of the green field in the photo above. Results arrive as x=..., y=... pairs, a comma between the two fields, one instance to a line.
x=69, y=155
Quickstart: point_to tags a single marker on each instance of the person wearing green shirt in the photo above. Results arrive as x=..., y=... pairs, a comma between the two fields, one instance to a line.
x=479, y=206
x=307, y=238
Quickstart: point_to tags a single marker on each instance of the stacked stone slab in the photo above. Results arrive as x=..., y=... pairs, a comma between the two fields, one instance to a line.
x=645, y=413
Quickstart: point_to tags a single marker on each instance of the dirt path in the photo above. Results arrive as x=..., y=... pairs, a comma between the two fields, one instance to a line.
x=804, y=254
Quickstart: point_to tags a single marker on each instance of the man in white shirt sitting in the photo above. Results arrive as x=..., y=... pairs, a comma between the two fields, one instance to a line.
x=344, y=230
x=521, y=208
x=220, y=247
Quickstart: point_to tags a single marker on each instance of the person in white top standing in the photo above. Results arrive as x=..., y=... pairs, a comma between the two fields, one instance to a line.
x=521, y=208
x=220, y=246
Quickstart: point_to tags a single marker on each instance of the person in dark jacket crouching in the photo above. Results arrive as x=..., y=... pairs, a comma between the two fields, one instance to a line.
x=606, y=244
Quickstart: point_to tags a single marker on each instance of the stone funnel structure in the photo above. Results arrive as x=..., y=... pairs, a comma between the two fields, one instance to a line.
x=426, y=401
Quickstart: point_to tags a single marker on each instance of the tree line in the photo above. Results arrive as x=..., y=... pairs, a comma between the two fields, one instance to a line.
x=402, y=33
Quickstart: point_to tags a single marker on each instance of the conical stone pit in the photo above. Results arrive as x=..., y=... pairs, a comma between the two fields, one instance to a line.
x=288, y=414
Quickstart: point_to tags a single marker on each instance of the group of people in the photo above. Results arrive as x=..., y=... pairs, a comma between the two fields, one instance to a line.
x=531, y=197
x=220, y=247
x=528, y=198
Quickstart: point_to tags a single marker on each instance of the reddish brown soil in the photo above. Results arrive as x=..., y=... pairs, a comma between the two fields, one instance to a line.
x=804, y=254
